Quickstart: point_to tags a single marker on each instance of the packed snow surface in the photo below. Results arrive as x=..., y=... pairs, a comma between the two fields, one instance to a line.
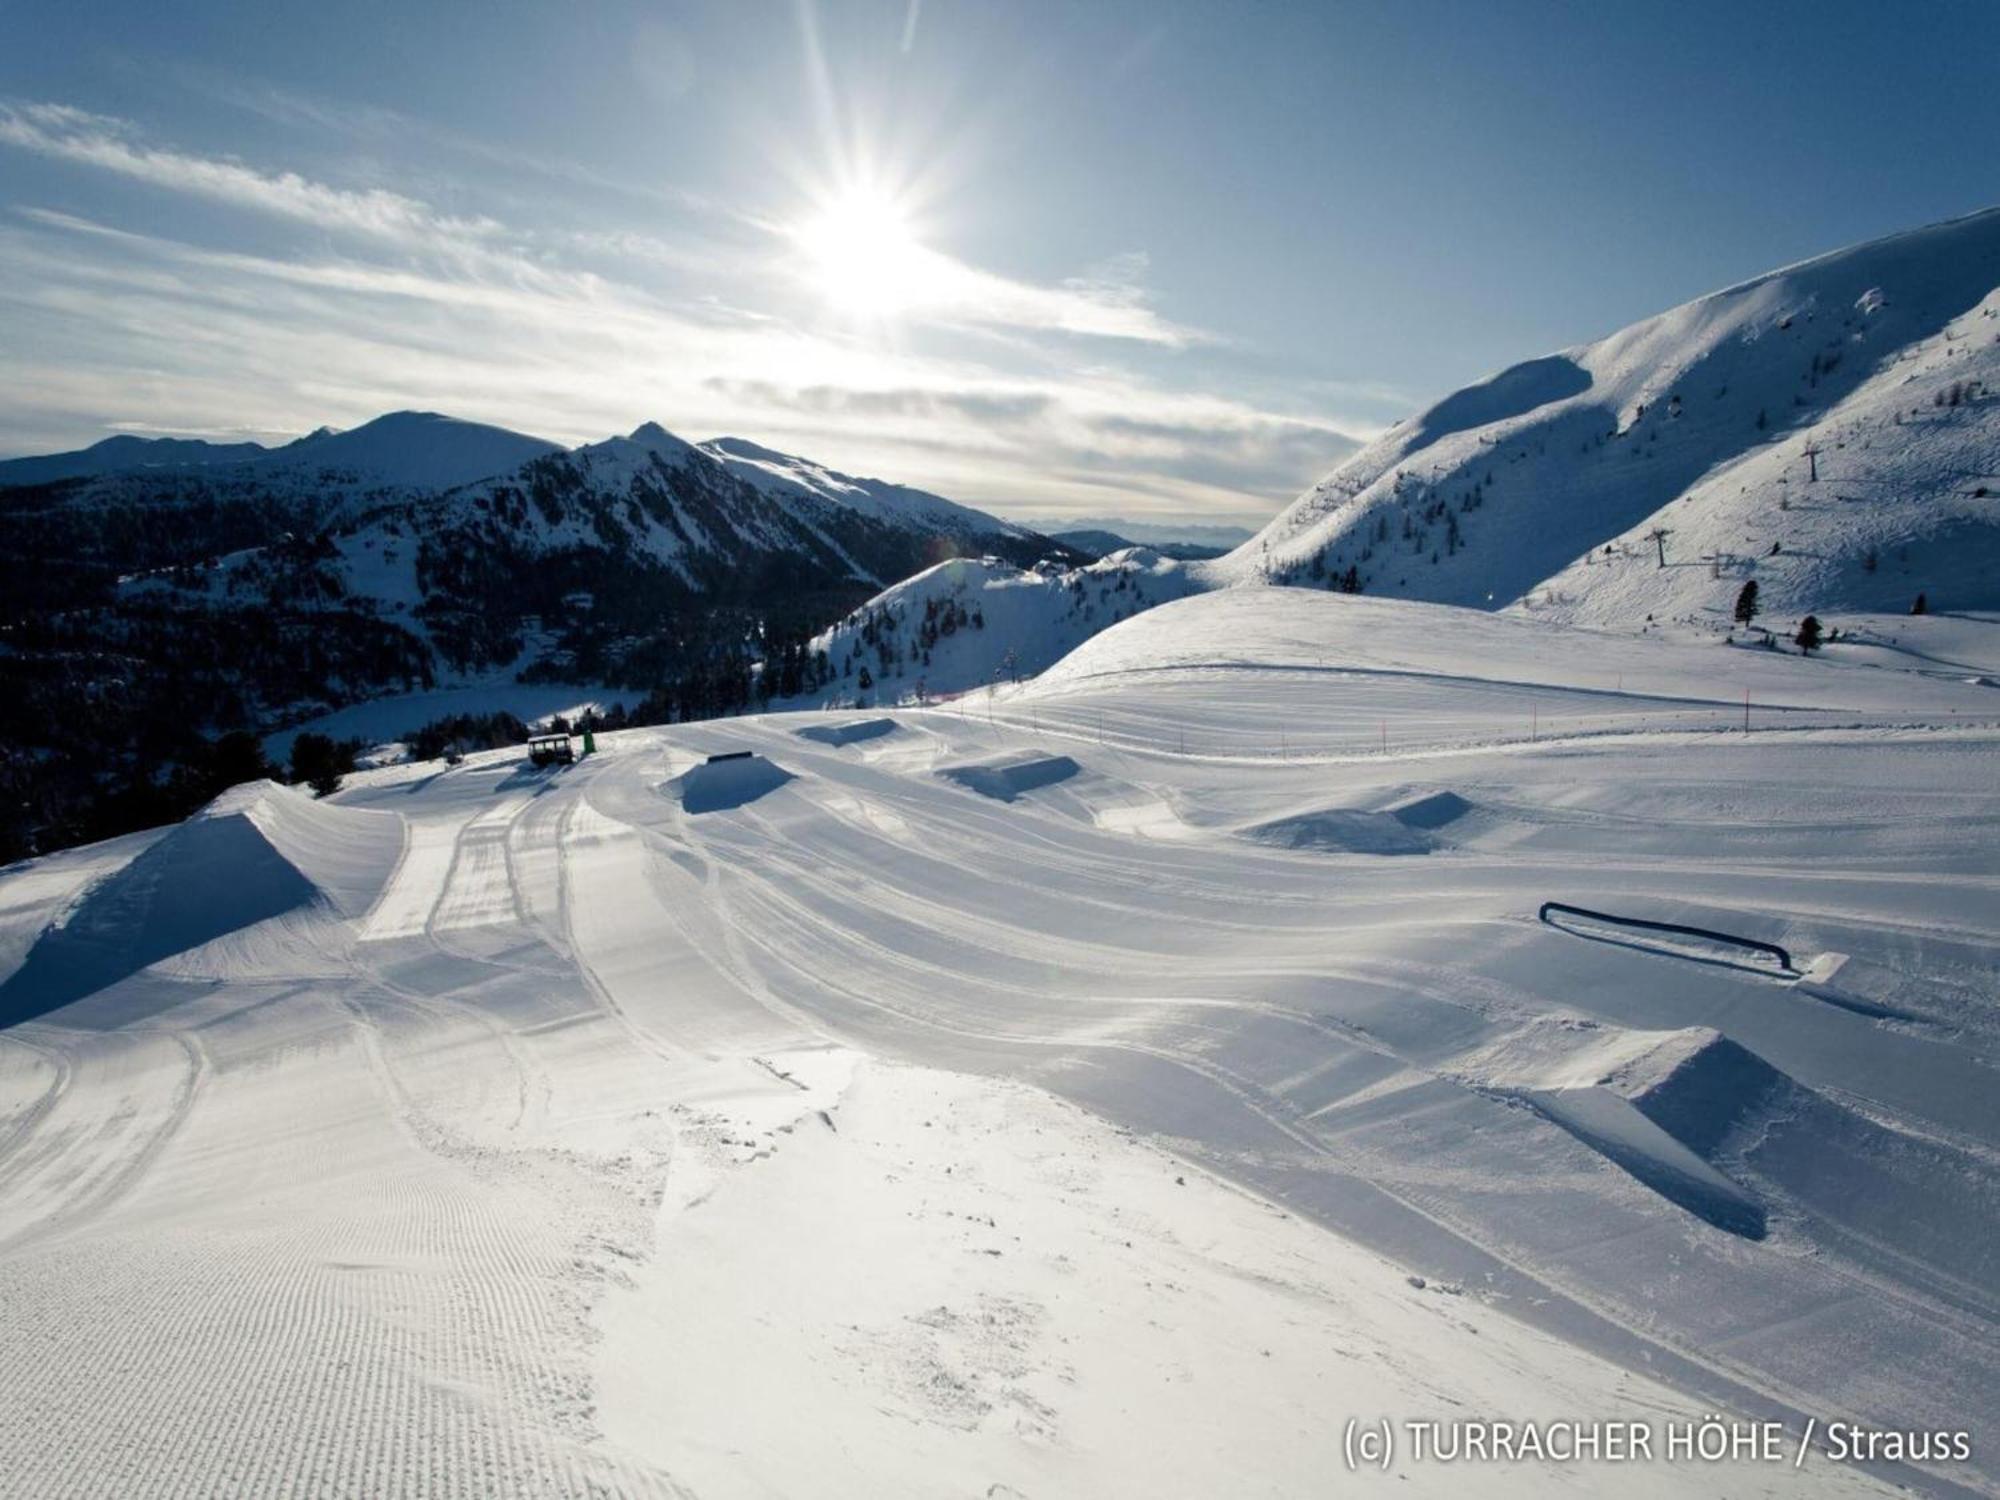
x=1076, y=1089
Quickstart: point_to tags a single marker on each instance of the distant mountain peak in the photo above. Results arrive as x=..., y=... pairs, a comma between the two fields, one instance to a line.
x=416, y=450
x=652, y=435
x=126, y=452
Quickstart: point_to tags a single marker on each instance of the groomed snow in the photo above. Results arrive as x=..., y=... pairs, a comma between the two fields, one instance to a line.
x=865, y=1131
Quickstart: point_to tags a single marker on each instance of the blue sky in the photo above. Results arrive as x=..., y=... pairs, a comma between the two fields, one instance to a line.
x=1139, y=259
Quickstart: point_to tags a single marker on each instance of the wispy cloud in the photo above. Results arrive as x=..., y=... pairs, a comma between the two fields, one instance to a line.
x=57, y=130
x=574, y=332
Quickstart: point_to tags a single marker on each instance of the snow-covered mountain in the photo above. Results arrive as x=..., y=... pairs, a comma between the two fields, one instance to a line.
x=969, y=623
x=416, y=450
x=116, y=455
x=792, y=479
x=418, y=553
x=1104, y=543
x=1831, y=430
x=590, y=545
x=410, y=450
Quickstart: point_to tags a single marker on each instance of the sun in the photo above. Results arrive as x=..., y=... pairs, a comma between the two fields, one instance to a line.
x=863, y=257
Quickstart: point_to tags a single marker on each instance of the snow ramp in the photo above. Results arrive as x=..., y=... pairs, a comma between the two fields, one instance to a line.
x=1410, y=825
x=1659, y=1104
x=1009, y=777
x=1722, y=1132
x=852, y=732
x=720, y=784
x=257, y=852
x=1341, y=830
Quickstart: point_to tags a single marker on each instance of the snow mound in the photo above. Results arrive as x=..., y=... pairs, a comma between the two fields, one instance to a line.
x=718, y=785
x=1719, y=1130
x=852, y=732
x=1009, y=777
x=1342, y=830
x=256, y=852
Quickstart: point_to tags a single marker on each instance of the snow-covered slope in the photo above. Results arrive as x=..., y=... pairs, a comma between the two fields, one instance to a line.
x=794, y=479
x=1370, y=637
x=969, y=623
x=1831, y=430
x=985, y=1099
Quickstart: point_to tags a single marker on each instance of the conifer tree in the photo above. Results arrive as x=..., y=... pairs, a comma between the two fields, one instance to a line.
x=1746, y=603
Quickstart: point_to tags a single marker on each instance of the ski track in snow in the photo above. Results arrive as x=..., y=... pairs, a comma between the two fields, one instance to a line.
x=442, y=1195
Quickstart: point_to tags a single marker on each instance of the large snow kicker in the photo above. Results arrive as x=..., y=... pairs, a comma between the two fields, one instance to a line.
x=255, y=855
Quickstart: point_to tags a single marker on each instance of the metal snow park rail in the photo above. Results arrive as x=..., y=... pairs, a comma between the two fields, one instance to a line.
x=1783, y=957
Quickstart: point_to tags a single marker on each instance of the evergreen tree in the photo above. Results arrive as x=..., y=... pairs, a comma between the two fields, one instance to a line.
x=320, y=763
x=235, y=758
x=1809, y=635
x=1746, y=603
x=1922, y=606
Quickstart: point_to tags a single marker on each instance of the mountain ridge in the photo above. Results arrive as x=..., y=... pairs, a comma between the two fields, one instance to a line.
x=1812, y=383
x=1829, y=430
x=148, y=611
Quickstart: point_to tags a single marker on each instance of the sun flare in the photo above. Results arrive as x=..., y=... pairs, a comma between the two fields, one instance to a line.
x=863, y=256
